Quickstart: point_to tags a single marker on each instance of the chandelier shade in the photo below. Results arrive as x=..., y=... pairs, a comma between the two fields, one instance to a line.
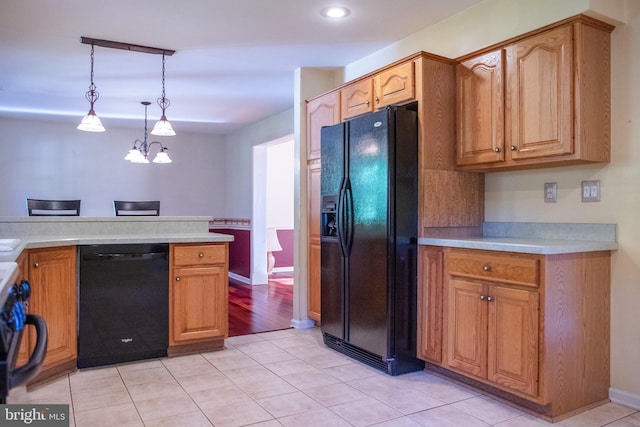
x=139, y=153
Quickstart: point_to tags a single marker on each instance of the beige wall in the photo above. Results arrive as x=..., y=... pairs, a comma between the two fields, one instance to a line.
x=518, y=196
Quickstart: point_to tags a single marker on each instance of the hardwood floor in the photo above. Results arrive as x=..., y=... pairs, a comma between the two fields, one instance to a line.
x=261, y=308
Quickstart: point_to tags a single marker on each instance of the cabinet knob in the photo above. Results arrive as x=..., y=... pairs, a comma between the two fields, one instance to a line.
x=368, y=103
x=178, y=279
x=377, y=100
x=486, y=268
x=482, y=297
x=497, y=149
x=201, y=255
x=514, y=148
x=489, y=299
x=36, y=264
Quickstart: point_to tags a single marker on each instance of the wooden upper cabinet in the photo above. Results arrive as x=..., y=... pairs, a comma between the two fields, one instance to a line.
x=394, y=85
x=480, y=105
x=357, y=98
x=321, y=111
x=389, y=86
x=539, y=113
x=541, y=99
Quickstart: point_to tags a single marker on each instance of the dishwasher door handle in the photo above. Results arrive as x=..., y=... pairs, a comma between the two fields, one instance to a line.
x=124, y=257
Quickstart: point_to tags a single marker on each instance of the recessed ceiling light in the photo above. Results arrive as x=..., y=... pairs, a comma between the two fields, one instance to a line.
x=335, y=12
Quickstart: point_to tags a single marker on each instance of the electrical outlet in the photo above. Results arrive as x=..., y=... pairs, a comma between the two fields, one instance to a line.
x=550, y=192
x=591, y=191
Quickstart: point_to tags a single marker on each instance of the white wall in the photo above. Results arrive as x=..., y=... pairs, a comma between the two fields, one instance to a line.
x=50, y=159
x=280, y=185
x=518, y=196
x=239, y=160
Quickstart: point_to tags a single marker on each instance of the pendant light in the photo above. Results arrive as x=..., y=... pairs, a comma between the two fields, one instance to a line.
x=91, y=122
x=162, y=126
x=140, y=150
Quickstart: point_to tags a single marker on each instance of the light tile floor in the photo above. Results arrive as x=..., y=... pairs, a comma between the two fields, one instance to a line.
x=283, y=378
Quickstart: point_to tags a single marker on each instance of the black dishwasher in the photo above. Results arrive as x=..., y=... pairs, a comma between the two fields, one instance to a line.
x=123, y=303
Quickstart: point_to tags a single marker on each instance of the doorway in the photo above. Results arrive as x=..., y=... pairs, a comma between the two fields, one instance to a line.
x=266, y=303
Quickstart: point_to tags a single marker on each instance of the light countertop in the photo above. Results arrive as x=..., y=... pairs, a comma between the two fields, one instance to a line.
x=535, y=238
x=529, y=246
x=33, y=242
x=43, y=232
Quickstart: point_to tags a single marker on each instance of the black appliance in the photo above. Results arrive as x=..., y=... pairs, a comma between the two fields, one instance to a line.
x=123, y=303
x=13, y=319
x=369, y=207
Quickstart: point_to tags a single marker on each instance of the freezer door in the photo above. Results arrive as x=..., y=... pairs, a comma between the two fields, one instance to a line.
x=332, y=158
x=332, y=288
x=369, y=153
x=332, y=272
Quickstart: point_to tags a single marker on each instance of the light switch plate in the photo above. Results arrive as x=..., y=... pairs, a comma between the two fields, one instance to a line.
x=550, y=192
x=591, y=191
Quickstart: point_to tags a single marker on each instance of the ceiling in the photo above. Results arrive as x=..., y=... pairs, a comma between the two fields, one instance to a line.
x=234, y=62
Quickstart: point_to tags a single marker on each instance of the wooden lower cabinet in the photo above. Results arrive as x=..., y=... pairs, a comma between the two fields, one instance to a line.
x=429, y=336
x=52, y=275
x=492, y=333
x=313, y=238
x=23, y=267
x=198, y=297
x=531, y=329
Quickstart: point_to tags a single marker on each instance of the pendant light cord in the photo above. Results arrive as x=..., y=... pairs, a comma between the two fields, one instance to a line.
x=163, y=102
x=92, y=94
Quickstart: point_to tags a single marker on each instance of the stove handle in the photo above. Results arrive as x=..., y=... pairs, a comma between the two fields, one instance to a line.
x=29, y=370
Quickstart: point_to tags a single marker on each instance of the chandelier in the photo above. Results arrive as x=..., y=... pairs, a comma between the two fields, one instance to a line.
x=140, y=150
x=91, y=122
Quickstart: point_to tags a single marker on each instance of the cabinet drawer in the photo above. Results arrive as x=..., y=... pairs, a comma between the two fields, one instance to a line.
x=515, y=269
x=199, y=254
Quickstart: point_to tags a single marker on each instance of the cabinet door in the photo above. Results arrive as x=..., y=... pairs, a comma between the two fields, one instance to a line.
x=199, y=303
x=52, y=275
x=513, y=339
x=394, y=85
x=480, y=106
x=313, y=238
x=25, y=346
x=466, y=327
x=540, y=91
x=430, y=304
x=356, y=99
x=321, y=111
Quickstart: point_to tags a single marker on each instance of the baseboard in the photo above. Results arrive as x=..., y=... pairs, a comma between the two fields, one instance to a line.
x=302, y=324
x=283, y=269
x=240, y=278
x=624, y=398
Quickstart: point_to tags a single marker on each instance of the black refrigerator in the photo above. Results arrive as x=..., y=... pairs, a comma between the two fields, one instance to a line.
x=369, y=208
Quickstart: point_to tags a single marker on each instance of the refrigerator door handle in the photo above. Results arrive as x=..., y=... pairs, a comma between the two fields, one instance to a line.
x=340, y=218
x=348, y=238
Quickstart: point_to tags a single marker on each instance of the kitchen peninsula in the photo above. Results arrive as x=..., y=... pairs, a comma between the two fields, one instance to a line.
x=47, y=256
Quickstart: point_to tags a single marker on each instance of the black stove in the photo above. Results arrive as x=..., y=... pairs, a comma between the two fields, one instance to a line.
x=13, y=319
